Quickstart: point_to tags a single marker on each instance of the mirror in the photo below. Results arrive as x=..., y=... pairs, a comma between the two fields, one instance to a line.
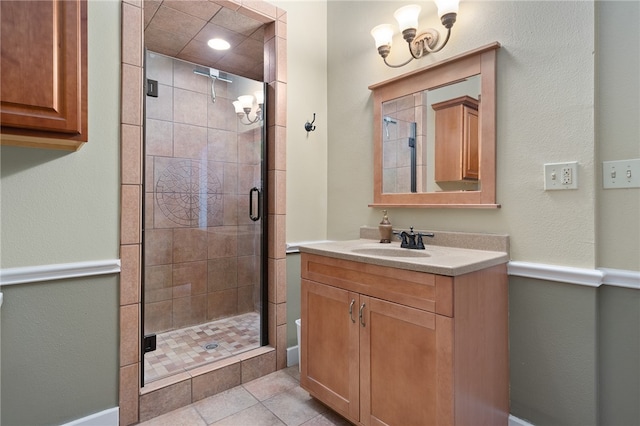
x=430, y=140
x=434, y=133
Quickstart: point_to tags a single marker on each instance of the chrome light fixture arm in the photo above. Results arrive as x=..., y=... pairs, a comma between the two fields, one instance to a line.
x=249, y=121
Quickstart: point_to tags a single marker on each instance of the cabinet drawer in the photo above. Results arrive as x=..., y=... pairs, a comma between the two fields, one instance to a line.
x=433, y=293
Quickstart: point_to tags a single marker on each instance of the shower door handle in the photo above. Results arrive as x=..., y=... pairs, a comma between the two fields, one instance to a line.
x=254, y=217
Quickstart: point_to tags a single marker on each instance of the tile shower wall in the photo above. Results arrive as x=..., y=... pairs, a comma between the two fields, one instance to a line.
x=201, y=251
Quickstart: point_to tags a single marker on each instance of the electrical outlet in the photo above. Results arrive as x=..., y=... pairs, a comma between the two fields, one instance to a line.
x=561, y=176
x=621, y=174
x=567, y=176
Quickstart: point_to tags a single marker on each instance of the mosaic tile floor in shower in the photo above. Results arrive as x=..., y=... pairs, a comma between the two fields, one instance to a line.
x=191, y=347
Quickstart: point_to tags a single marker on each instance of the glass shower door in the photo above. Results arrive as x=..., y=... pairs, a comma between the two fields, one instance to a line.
x=203, y=217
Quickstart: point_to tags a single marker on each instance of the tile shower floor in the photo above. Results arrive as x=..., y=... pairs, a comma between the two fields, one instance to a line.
x=187, y=348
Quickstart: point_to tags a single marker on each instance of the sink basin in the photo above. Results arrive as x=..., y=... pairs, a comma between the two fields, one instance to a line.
x=389, y=252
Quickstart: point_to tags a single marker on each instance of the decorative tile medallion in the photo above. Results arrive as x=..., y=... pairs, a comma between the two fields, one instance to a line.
x=189, y=193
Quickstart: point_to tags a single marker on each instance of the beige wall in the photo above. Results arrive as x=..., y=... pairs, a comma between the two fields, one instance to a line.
x=306, y=152
x=60, y=338
x=60, y=207
x=306, y=94
x=539, y=80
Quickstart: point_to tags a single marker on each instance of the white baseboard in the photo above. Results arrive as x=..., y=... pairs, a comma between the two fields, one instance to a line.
x=103, y=418
x=292, y=356
x=514, y=421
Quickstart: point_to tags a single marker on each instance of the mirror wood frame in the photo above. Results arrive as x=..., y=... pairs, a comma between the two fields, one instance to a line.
x=480, y=61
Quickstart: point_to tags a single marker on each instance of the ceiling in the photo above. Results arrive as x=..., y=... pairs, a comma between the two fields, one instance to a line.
x=181, y=29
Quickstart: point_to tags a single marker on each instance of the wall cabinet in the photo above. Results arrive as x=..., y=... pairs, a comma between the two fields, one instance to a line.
x=456, y=139
x=385, y=346
x=44, y=73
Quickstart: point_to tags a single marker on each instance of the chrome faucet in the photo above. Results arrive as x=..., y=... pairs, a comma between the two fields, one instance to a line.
x=411, y=240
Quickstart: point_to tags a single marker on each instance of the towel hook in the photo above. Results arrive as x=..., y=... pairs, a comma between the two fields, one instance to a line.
x=309, y=127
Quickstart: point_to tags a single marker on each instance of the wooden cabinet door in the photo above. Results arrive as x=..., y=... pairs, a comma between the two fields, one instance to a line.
x=44, y=73
x=405, y=366
x=456, y=146
x=448, y=146
x=329, y=352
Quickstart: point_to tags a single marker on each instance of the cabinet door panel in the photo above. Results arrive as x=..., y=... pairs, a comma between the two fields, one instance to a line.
x=329, y=353
x=448, y=163
x=456, y=147
x=44, y=69
x=399, y=365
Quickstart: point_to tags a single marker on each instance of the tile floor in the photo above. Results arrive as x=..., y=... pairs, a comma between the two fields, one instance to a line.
x=273, y=400
x=191, y=347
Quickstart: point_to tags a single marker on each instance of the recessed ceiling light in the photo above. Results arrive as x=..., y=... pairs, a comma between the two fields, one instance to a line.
x=218, y=44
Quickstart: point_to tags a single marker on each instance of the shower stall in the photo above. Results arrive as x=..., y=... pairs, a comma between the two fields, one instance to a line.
x=203, y=250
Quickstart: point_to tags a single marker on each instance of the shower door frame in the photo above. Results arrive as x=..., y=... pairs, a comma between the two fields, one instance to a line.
x=134, y=404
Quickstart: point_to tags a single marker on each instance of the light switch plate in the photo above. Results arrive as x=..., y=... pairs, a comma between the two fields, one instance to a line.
x=561, y=176
x=621, y=174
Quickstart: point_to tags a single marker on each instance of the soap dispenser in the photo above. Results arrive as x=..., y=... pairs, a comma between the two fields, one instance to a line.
x=385, y=228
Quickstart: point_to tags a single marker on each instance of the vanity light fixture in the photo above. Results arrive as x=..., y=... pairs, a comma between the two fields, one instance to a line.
x=419, y=44
x=245, y=104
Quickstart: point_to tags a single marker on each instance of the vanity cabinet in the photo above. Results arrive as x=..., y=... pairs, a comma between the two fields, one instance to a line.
x=44, y=73
x=382, y=345
x=456, y=140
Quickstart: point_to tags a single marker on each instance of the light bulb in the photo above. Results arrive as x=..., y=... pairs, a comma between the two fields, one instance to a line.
x=218, y=44
x=447, y=6
x=238, y=107
x=407, y=16
x=382, y=34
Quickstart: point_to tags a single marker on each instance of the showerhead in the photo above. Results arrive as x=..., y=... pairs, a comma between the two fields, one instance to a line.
x=388, y=120
x=213, y=73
